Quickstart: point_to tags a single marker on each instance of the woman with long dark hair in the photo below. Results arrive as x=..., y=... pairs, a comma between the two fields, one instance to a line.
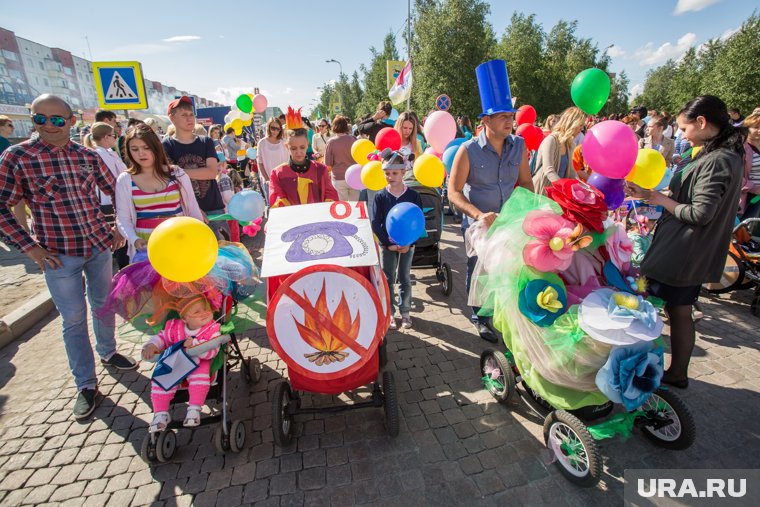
x=693, y=234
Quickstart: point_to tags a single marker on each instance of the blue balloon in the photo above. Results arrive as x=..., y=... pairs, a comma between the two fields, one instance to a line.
x=246, y=206
x=220, y=156
x=456, y=142
x=405, y=223
x=394, y=115
x=251, y=153
x=665, y=181
x=448, y=157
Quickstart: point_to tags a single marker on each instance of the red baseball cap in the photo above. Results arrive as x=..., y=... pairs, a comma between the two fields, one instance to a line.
x=174, y=103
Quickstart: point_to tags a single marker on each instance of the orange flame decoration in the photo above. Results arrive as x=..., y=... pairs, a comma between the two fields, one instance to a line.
x=293, y=119
x=329, y=346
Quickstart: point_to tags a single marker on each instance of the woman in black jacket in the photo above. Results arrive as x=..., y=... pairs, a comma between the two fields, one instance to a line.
x=694, y=232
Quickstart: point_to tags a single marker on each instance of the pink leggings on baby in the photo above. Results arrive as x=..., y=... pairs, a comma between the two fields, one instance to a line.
x=198, y=385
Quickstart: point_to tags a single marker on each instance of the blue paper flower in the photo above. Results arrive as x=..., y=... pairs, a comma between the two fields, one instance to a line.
x=631, y=374
x=542, y=302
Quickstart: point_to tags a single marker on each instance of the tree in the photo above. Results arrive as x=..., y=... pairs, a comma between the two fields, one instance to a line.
x=522, y=47
x=618, y=101
x=686, y=82
x=375, y=78
x=657, y=87
x=450, y=38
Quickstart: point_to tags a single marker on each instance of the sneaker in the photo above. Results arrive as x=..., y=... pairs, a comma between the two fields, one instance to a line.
x=85, y=404
x=486, y=333
x=120, y=362
x=393, y=325
x=406, y=322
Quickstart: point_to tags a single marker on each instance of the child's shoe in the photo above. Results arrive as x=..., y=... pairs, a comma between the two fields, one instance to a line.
x=193, y=416
x=393, y=325
x=160, y=421
x=406, y=322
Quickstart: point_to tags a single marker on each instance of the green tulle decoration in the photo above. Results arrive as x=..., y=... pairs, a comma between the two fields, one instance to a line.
x=617, y=425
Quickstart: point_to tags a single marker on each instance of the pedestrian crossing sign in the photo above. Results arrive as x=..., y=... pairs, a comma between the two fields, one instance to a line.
x=120, y=85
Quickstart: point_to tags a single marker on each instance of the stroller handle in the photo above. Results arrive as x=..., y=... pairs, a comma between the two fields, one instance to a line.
x=746, y=222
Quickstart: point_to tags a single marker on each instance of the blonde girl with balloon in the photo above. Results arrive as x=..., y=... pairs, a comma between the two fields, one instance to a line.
x=150, y=190
x=656, y=138
x=554, y=159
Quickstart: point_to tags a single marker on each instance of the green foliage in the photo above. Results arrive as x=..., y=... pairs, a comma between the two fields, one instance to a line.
x=375, y=77
x=727, y=69
x=449, y=39
x=618, y=102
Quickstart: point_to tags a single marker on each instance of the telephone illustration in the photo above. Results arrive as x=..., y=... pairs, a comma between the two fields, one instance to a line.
x=319, y=240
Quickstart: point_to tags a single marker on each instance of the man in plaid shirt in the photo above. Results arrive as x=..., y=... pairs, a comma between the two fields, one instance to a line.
x=58, y=180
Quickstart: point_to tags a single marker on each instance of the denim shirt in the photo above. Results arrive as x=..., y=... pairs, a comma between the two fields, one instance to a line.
x=493, y=176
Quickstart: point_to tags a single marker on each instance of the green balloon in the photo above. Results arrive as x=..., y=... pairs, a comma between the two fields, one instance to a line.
x=590, y=90
x=244, y=103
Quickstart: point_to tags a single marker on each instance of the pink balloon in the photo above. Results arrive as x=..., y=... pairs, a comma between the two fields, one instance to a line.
x=259, y=103
x=373, y=156
x=354, y=177
x=610, y=149
x=431, y=151
x=440, y=129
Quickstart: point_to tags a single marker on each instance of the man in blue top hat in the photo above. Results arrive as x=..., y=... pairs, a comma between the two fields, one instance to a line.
x=487, y=168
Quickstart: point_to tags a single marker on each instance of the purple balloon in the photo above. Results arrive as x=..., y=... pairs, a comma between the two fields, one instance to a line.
x=613, y=189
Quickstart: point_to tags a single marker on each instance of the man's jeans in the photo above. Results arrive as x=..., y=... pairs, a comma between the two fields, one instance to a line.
x=65, y=285
x=395, y=263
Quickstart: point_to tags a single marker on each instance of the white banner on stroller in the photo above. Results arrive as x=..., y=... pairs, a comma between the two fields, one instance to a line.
x=173, y=366
x=336, y=233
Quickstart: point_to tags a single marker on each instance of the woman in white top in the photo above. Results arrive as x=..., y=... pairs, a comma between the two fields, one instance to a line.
x=102, y=139
x=270, y=153
x=319, y=142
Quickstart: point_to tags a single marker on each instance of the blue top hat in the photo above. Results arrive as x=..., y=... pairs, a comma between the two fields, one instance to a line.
x=493, y=85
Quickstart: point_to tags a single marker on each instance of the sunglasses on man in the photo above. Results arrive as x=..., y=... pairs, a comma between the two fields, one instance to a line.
x=55, y=120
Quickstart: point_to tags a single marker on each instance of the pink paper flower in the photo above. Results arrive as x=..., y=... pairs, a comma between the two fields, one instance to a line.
x=552, y=249
x=620, y=248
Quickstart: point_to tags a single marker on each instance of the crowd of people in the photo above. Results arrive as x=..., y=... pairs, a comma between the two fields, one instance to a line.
x=99, y=201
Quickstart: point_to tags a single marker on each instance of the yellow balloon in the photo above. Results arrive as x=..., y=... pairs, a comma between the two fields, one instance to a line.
x=227, y=126
x=182, y=249
x=694, y=151
x=648, y=170
x=430, y=171
x=247, y=123
x=361, y=149
x=237, y=124
x=373, y=176
x=241, y=153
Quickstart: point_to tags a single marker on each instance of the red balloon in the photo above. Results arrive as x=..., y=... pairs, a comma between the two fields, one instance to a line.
x=531, y=134
x=388, y=138
x=525, y=114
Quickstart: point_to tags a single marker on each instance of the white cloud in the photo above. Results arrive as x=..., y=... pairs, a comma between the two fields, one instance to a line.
x=287, y=91
x=649, y=55
x=636, y=90
x=615, y=51
x=728, y=33
x=181, y=38
x=692, y=5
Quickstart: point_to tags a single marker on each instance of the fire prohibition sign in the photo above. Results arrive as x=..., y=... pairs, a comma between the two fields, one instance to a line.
x=325, y=322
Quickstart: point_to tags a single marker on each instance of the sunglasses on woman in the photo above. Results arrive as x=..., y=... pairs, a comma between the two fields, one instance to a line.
x=55, y=120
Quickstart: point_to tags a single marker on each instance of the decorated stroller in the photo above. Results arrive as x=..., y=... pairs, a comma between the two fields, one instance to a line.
x=328, y=310
x=140, y=296
x=427, y=251
x=580, y=336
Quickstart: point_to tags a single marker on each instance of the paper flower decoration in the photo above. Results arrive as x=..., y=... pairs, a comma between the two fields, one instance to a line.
x=618, y=318
x=542, y=302
x=580, y=202
x=631, y=374
x=619, y=246
x=552, y=249
x=253, y=228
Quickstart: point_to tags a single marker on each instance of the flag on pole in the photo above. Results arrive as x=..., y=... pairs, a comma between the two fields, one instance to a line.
x=402, y=88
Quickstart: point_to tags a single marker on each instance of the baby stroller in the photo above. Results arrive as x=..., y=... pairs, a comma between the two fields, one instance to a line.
x=580, y=338
x=327, y=322
x=427, y=251
x=230, y=435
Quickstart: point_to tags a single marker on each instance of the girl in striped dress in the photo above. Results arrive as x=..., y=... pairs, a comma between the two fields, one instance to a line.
x=150, y=190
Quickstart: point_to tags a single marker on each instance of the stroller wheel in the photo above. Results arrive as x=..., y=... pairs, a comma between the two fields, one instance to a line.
x=390, y=404
x=250, y=369
x=148, y=450
x=237, y=436
x=166, y=445
x=282, y=420
x=221, y=441
x=498, y=377
x=663, y=405
x=383, y=353
x=446, y=285
x=576, y=453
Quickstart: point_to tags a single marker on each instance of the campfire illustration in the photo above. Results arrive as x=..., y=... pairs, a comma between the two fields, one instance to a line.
x=330, y=347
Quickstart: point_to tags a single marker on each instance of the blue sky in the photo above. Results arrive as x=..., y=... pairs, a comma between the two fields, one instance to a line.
x=219, y=50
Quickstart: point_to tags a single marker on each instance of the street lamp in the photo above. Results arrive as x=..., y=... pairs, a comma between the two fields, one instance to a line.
x=335, y=61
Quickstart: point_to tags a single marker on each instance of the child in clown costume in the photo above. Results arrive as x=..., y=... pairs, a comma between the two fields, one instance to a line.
x=300, y=181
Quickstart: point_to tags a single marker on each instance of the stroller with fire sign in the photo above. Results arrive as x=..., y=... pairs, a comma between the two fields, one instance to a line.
x=580, y=336
x=427, y=250
x=327, y=322
x=155, y=307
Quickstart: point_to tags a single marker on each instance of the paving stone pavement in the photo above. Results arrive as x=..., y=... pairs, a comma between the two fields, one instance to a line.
x=456, y=446
x=20, y=279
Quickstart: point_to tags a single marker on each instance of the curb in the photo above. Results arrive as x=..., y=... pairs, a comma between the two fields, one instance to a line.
x=20, y=320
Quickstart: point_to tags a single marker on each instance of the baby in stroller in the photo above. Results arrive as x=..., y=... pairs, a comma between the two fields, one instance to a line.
x=195, y=328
